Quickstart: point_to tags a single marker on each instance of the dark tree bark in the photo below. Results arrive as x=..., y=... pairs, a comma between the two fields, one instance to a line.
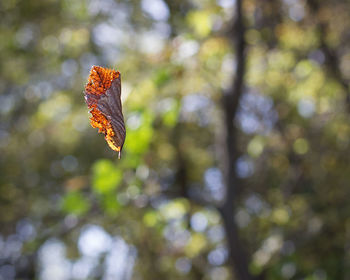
x=238, y=258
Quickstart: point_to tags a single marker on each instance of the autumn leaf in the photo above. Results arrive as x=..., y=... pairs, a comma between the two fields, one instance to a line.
x=102, y=95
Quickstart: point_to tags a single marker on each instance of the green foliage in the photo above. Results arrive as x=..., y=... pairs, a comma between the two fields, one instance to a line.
x=139, y=137
x=106, y=176
x=59, y=177
x=161, y=77
x=75, y=203
x=110, y=204
x=200, y=22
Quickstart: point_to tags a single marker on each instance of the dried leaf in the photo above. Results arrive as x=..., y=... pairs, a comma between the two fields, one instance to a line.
x=102, y=95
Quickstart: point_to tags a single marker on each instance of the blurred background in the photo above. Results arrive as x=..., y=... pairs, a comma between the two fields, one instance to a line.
x=69, y=209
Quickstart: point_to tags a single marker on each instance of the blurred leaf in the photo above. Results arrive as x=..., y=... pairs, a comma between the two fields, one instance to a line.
x=256, y=146
x=150, y=218
x=170, y=117
x=110, y=204
x=138, y=140
x=175, y=209
x=106, y=176
x=75, y=203
x=161, y=77
x=200, y=22
x=195, y=245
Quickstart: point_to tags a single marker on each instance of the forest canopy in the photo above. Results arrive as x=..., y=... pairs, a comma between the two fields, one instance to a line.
x=236, y=162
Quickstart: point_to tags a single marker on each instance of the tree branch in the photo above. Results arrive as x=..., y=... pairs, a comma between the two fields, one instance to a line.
x=332, y=60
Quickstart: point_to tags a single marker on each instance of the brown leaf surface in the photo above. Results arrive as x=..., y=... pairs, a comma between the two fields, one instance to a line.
x=99, y=82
